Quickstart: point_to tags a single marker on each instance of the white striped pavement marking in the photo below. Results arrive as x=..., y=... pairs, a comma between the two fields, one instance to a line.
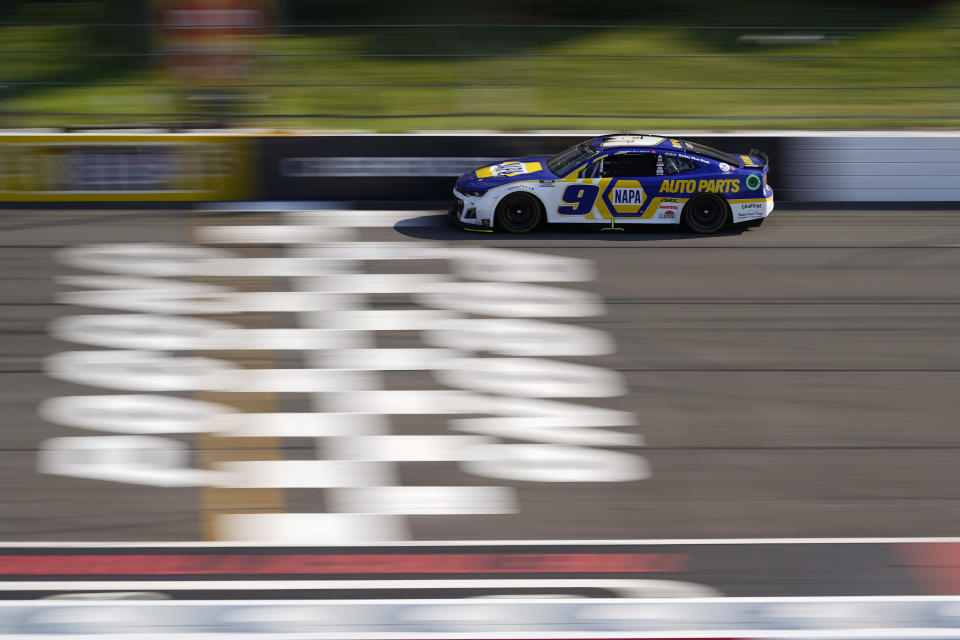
x=404, y=500
x=290, y=301
x=531, y=377
x=512, y=300
x=351, y=218
x=129, y=459
x=138, y=414
x=288, y=380
x=625, y=588
x=385, y=319
x=401, y=448
x=270, y=234
x=569, y=430
x=387, y=359
x=417, y=402
x=521, y=337
x=296, y=425
x=312, y=528
x=282, y=339
x=304, y=474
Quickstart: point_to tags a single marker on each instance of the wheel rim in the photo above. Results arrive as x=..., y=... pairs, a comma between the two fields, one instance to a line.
x=706, y=213
x=519, y=213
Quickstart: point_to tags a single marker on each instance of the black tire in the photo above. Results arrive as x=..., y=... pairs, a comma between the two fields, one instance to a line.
x=706, y=213
x=519, y=213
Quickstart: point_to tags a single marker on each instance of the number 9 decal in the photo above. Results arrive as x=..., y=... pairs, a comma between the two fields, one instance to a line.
x=578, y=199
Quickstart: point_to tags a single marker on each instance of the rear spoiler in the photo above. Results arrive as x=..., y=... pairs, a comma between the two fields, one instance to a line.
x=761, y=155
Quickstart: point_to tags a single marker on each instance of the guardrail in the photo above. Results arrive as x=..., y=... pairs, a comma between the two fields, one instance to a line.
x=882, y=167
x=866, y=617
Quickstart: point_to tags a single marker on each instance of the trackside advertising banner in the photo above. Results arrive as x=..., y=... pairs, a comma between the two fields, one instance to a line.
x=126, y=168
x=417, y=167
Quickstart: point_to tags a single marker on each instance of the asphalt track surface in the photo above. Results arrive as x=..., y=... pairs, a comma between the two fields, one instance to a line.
x=795, y=380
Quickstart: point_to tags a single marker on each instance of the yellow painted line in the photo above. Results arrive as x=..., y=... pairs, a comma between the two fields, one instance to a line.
x=213, y=449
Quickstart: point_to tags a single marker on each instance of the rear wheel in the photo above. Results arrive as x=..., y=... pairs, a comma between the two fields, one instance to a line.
x=519, y=213
x=705, y=213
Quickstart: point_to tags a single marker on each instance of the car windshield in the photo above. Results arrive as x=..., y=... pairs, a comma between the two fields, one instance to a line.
x=568, y=160
x=710, y=152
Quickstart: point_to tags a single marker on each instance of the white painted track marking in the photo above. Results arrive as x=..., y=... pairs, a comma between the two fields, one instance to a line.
x=568, y=430
x=689, y=592
x=513, y=300
x=397, y=402
x=387, y=359
x=135, y=413
x=556, y=463
x=403, y=500
x=296, y=425
x=270, y=234
x=521, y=337
x=311, y=528
x=361, y=219
x=385, y=319
x=288, y=380
x=320, y=267
x=531, y=377
x=399, y=448
x=308, y=474
x=129, y=459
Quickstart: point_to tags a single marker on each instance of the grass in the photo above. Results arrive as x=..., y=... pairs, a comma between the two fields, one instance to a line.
x=535, y=79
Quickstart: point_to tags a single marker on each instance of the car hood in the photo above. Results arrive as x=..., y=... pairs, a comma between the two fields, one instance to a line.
x=505, y=172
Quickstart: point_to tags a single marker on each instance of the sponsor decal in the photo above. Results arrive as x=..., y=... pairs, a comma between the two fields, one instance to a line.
x=753, y=182
x=751, y=205
x=627, y=196
x=725, y=167
x=668, y=210
x=622, y=197
x=508, y=169
x=632, y=141
x=704, y=186
x=82, y=168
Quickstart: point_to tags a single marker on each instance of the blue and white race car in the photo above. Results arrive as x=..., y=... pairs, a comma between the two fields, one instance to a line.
x=618, y=179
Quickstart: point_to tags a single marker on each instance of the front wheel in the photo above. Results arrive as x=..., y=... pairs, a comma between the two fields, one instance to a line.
x=705, y=213
x=519, y=213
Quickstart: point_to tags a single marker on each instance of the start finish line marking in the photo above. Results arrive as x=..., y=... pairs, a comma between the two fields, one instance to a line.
x=491, y=295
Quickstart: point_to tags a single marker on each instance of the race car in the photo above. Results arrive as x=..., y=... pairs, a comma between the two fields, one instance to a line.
x=618, y=179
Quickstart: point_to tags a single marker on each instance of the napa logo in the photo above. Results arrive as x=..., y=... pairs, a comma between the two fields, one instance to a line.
x=622, y=197
x=627, y=196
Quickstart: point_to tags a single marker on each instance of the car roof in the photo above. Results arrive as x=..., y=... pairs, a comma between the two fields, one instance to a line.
x=636, y=141
x=644, y=141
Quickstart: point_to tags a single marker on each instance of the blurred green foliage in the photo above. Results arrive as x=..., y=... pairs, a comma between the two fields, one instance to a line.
x=501, y=65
